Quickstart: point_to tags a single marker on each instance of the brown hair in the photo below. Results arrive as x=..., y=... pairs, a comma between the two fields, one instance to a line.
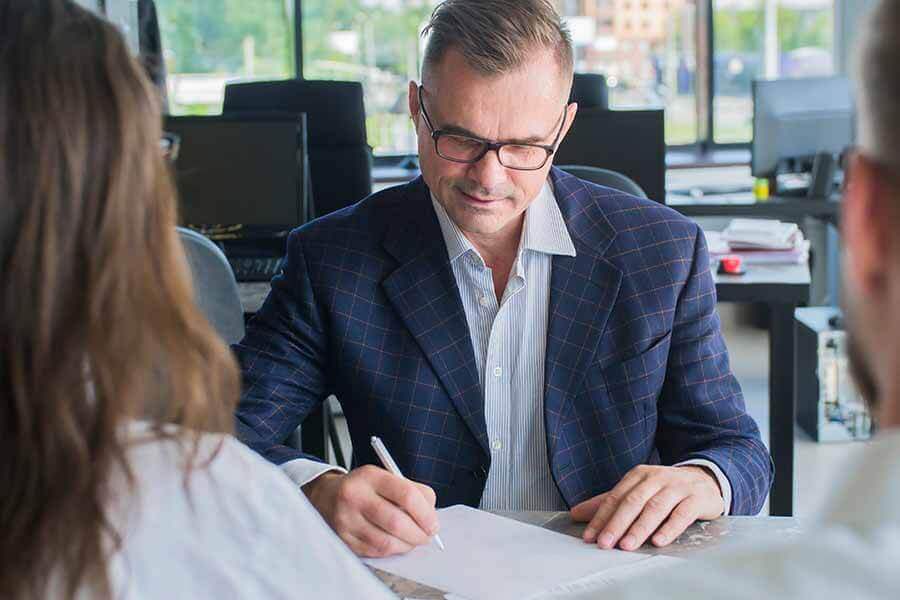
x=97, y=321
x=879, y=84
x=497, y=36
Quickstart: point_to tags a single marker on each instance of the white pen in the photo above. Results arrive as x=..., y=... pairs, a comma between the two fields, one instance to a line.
x=389, y=464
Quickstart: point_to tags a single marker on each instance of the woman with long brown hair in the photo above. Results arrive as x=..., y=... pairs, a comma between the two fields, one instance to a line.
x=117, y=474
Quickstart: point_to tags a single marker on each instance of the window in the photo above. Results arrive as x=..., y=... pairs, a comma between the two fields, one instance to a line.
x=654, y=53
x=764, y=39
x=376, y=42
x=207, y=44
x=647, y=52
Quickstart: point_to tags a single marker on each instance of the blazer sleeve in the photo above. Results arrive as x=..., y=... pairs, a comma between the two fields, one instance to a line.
x=701, y=411
x=283, y=359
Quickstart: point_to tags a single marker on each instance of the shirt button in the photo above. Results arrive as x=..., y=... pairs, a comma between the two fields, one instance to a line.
x=483, y=300
x=498, y=371
x=497, y=445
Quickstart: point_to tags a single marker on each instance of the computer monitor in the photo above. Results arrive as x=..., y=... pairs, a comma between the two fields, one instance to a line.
x=631, y=142
x=796, y=119
x=239, y=170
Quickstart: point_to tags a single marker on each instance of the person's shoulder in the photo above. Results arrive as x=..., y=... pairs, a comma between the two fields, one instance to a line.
x=633, y=226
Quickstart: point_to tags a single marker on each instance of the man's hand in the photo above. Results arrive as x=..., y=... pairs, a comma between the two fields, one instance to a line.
x=649, y=499
x=375, y=512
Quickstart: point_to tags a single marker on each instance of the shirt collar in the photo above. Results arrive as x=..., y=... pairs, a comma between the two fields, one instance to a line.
x=545, y=229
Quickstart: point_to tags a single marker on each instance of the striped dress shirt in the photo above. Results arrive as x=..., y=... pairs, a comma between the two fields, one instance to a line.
x=509, y=336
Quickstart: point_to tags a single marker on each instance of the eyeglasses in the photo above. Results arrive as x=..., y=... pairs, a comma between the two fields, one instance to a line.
x=468, y=150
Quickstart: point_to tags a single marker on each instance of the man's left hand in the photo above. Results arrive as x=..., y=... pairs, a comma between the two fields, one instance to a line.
x=650, y=500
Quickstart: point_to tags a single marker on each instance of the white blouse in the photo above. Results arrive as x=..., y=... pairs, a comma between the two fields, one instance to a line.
x=237, y=528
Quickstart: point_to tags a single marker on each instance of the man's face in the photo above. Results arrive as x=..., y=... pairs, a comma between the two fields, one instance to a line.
x=485, y=198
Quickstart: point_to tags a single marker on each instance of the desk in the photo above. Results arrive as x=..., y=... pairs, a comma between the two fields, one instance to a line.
x=698, y=540
x=782, y=287
x=786, y=209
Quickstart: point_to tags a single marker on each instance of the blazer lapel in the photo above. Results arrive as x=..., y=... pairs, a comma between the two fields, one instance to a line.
x=583, y=291
x=424, y=293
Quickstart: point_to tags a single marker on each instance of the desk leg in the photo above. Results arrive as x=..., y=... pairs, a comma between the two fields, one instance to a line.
x=313, y=433
x=782, y=409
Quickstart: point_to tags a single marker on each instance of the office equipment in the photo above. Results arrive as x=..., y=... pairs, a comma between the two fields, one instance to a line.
x=388, y=461
x=799, y=124
x=243, y=182
x=340, y=160
x=829, y=406
x=255, y=268
x=491, y=557
x=605, y=177
x=248, y=171
x=631, y=142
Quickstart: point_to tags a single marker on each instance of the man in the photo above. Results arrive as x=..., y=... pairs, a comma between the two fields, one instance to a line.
x=520, y=339
x=854, y=550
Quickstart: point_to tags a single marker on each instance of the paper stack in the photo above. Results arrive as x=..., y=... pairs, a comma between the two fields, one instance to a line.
x=759, y=241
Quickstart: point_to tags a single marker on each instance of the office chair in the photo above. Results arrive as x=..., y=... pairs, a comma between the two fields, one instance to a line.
x=605, y=177
x=215, y=288
x=589, y=90
x=217, y=296
x=340, y=160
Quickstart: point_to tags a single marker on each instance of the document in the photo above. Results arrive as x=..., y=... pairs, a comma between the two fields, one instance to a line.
x=489, y=557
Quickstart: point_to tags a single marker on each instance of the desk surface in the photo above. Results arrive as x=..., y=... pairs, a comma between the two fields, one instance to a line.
x=761, y=283
x=789, y=209
x=699, y=539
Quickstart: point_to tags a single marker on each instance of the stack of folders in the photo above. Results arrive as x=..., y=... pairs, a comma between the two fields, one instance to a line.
x=759, y=241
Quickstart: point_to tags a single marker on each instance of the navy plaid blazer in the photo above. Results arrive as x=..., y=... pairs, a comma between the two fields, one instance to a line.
x=637, y=372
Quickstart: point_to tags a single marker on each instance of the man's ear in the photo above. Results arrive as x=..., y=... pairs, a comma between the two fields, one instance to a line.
x=867, y=225
x=571, y=111
x=413, y=100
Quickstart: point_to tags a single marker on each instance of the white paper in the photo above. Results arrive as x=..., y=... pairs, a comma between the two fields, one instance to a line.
x=488, y=557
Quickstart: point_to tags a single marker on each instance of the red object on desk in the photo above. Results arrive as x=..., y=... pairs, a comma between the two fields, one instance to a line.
x=731, y=265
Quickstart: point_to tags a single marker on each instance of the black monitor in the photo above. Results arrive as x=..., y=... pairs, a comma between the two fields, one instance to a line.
x=240, y=170
x=631, y=142
x=794, y=120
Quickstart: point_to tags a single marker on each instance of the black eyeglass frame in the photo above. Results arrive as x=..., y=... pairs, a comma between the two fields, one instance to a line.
x=488, y=145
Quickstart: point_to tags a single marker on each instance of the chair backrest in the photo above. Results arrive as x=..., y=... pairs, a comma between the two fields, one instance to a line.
x=611, y=179
x=340, y=160
x=589, y=90
x=215, y=288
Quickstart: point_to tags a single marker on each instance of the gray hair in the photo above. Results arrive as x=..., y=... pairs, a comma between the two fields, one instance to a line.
x=497, y=36
x=878, y=89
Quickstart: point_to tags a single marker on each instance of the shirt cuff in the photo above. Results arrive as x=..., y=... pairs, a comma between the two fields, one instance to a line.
x=303, y=470
x=724, y=484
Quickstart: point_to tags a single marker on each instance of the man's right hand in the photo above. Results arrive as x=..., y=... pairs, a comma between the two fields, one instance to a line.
x=375, y=512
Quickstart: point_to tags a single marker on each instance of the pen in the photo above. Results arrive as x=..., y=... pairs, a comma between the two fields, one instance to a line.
x=385, y=457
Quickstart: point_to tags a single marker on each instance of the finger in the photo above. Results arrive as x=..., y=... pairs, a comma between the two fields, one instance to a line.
x=427, y=492
x=371, y=542
x=627, y=511
x=608, y=503
x=657, y=510
x=681, y=518
x=392, y=519
x=586, y=510
x=407, y=495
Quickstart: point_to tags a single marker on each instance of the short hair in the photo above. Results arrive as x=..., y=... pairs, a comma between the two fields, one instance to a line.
x=497, y=36
x=878, y=91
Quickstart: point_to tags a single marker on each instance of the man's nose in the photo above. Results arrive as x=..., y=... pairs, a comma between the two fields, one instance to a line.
x=488, y=171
